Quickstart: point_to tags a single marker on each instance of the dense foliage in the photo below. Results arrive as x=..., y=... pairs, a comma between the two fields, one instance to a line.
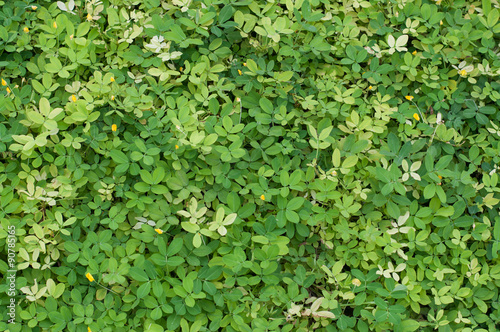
x=251, y=165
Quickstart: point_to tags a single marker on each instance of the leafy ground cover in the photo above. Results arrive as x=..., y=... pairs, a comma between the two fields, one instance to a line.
x=250, y=165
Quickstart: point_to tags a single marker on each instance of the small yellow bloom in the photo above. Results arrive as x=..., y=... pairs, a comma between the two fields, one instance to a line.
x=88, y=329
x=463, y=73
x=113, y=127
x=356, y=282
x=238, y=99
x=440, y=177
x=3, y=82
x=438, y=2
x=414, y=52
x=26, y=30
x=112, y=97
x=180, y=69
x=239, y=72
x=34, y=7
x=71, y=37
x=54, y=25
x=73, y=97
x=410, y=98
x=89, y=276
x=8, y=90
x=176, y=146
x=440, y=22
x=159, y=231
x=370, y=87
x=416, y=117
x=112, y=79
x=334, y=173
x=89, y=17
x=262, y=197
x=244, y=64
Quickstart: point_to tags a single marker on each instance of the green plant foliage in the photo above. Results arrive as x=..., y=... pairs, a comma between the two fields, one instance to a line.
x=250, y=165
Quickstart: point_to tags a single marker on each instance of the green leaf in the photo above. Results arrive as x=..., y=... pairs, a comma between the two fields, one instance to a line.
x=429, y=191
x=54, y=66
x=393, y=210
x=295, y=203
x=252, y=66
x=493, y=17
x=226, y=13
x=138, y=274
x=383, y=174
x=445, y=211
x=175, y=246
x=443, y=162
x=266, y=105
x=153, y=327
x=350, y=162
x=336, y=158
x=284, y=76
x=144, y=290
x=36, y=117
x=118, y=157
x=325, y=133
x=158, y=175
x=260, y=239
x=3, y=33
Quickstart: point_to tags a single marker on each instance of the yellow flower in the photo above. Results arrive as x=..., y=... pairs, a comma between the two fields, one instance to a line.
x=88, y=329
x=262, y=197
x=238, y=99
x=3, y=82
x=356, y=282
x=176, y=146
x=244, y=64
x=370, y=87
x=54, y=25
x=89, y=276
x=416, y=117
x=112, y=79
x=113, y=127
x=239, y=72
x=334, y=173
x=71, y=37
x=440, y=177
x=438, y=2
x=73, y=97
x=112, y=97
x=26, y=30
x=34, y=7
x=463, y=73
x=89, y=17
x=180, y=69
x=159, y=231
x=414, y=52
x=8, y=90
x=440, y=22
x=410, y=98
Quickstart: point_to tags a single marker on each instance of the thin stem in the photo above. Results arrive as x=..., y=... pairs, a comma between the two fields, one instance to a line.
x=107, y=288
x=423, y=119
